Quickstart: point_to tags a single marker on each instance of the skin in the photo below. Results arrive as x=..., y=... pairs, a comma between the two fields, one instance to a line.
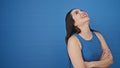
x=74, y=45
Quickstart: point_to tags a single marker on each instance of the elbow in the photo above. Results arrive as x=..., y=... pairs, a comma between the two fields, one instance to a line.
x=111, y=61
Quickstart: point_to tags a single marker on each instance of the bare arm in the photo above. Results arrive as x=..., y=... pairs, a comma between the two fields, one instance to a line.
x=100, y=64
x=74, y=52
x=106, y=58
x=103, y=63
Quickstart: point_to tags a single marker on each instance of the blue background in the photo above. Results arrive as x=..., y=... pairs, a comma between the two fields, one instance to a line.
x=32, y=32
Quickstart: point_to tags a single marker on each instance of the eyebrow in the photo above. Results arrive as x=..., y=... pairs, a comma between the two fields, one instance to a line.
x=77, y=10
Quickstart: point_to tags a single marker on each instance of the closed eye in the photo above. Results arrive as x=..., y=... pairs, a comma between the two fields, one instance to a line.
x=76, y=12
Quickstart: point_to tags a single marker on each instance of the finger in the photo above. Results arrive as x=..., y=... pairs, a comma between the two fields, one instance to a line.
x=105, y=54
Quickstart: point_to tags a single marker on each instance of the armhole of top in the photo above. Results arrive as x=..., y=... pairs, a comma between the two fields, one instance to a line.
x=77, y=37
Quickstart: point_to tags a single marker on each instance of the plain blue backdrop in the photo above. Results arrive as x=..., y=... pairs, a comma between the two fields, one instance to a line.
x=32, y=32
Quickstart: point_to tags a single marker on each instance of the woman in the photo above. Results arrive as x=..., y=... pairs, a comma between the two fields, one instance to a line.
x=86, y=47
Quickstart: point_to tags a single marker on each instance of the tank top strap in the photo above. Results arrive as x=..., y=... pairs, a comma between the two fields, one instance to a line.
x=77, y=35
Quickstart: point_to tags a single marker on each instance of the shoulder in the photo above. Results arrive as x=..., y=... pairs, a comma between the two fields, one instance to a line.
x=102, y=40
x=99, y=35
x=73, y=41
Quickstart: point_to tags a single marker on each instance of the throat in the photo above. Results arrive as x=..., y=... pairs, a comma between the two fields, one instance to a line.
x=86, y=35
x=85, y=32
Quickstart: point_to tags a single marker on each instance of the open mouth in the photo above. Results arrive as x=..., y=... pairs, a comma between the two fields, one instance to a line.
x=84, y=15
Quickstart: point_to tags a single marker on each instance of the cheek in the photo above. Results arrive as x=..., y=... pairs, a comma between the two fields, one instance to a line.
x=80, y=22
x=78, y=16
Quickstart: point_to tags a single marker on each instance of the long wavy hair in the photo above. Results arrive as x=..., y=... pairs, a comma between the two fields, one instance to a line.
x=70, y=28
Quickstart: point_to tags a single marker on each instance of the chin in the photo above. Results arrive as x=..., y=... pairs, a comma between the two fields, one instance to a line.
x=87, y=19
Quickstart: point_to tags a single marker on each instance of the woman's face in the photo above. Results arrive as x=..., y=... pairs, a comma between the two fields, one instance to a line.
x=80, y=17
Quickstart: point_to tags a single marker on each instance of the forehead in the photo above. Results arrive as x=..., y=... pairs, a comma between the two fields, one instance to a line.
x=75, y=10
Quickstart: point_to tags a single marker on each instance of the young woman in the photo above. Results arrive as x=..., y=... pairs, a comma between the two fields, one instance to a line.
x=86, y=47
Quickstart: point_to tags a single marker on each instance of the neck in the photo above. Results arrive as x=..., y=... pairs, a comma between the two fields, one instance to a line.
x=85, y=30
